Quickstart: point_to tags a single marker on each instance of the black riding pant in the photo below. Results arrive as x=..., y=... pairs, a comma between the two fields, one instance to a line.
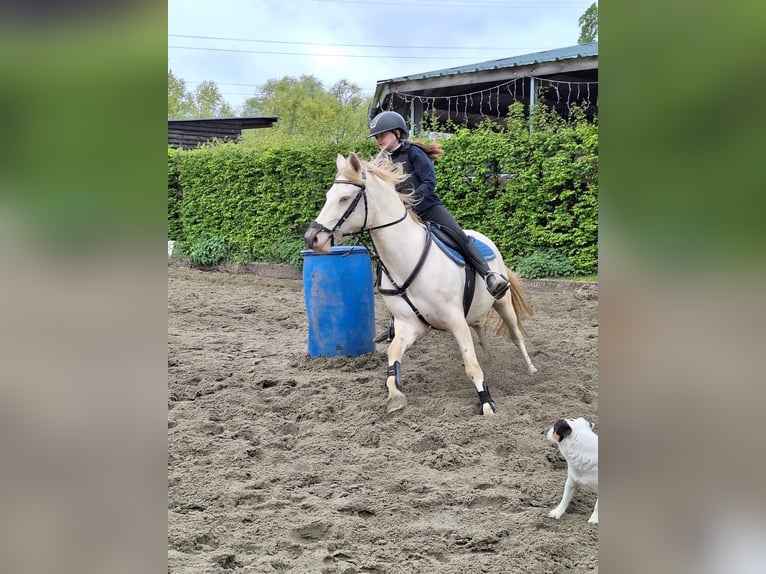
x=439, y=215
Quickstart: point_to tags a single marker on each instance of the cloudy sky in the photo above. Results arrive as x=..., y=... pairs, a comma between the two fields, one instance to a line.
x=241, y=44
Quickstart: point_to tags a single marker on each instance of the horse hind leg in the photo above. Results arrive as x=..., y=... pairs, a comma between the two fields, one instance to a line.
x=511, y=328
x=473, y=370
x=481, y=332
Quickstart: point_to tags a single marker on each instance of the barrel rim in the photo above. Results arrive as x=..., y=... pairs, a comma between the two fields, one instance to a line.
x=337, y=249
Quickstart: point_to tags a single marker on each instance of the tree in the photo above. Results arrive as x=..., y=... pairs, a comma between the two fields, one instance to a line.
x=209, y=103
x=205, y=102
x=179, y=100
x=347, y=93
x=589, y=25
x=306, y=109
x=351, y=110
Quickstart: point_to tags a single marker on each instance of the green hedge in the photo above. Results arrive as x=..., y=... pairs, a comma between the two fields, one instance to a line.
x=533, y=192
x=255, y=199
x=175, y=225
x=529, y=191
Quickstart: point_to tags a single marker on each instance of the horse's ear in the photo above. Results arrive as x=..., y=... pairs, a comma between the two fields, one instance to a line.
x=340, y=161
x=355, y=162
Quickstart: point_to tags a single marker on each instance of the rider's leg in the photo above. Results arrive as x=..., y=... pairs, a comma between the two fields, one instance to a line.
x=497, y=284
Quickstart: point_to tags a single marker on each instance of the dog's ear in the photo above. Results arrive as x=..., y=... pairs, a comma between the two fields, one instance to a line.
x=562, y=429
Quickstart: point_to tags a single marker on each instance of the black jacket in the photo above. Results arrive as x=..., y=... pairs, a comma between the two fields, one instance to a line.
x=422, y=178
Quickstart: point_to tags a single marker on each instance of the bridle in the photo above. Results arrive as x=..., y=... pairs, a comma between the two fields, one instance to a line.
x=400, y=290
x=361, y=194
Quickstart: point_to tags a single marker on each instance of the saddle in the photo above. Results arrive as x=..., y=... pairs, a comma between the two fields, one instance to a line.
x=450, y=247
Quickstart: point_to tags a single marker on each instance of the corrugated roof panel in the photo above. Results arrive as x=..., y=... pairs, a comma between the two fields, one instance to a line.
x=578, y=51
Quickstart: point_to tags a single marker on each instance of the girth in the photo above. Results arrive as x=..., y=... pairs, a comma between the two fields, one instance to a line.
x=401, y=290
x=449, y=240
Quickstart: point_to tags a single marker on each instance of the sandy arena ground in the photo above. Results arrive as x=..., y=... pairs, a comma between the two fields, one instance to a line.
x=278, y=463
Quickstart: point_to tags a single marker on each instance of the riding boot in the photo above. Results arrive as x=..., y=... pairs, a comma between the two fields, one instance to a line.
x=497, y=285
x=387, y=334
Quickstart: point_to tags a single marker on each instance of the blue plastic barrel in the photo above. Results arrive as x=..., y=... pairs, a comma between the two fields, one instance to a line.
x=338, y=288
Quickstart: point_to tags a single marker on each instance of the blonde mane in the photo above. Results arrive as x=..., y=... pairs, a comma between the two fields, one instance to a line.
x=386, y=171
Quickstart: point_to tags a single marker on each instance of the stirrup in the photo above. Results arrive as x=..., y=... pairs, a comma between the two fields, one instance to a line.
x=386, y=335
x=500, y=287
x=382, y=336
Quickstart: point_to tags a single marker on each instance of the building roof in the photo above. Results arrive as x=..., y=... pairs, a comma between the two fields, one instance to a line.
x=557, y=55
x=188, y=134
x=468, y=94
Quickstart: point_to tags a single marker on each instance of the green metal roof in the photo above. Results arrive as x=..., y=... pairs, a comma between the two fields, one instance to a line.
x=578, y=51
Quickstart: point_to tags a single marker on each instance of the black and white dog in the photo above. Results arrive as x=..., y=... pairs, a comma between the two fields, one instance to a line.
x=579, y=446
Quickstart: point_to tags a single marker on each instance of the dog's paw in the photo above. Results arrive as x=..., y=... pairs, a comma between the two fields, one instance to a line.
x=555, y=513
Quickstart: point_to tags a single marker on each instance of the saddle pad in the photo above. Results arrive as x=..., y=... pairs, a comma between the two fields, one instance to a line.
x=456, y=256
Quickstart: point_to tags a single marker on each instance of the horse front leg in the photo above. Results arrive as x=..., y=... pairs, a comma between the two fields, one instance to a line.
x=473, y=371
x=405, y=335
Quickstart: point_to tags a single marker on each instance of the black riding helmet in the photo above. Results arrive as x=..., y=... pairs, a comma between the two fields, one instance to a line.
x=389, y=122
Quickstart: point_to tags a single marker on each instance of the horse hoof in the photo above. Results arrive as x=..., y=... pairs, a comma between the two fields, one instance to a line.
x=487, y=410
x=532, y=370
x=396, y=403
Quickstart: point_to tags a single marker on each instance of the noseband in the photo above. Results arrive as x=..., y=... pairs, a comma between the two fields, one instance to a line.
x=335, y=231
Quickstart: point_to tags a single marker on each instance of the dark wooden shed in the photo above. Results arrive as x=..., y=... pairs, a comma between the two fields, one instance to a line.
x=188, y=134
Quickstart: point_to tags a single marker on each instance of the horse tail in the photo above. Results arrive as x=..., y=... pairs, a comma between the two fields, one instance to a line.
x=520, y=305
x=521, y=308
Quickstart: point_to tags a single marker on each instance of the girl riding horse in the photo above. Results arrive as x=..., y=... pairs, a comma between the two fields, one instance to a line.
x=390, y=131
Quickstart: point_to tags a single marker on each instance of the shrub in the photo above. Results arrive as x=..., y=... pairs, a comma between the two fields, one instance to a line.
x=527, y=190
x=210, y=251
x=534, y=193
x=175, y=225
x=256, y=198
x=286, y=250
x=545, y=263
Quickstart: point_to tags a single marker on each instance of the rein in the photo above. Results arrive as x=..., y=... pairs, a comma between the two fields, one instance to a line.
x=349, y=210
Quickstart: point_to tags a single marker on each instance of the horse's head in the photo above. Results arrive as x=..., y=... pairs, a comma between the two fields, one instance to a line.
x=345, y=209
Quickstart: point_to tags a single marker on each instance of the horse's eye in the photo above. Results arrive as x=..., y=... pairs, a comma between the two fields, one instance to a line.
x=344, y=199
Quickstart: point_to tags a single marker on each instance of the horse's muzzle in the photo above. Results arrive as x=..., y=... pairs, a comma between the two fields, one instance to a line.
x=310, y=237
x=318, y=238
